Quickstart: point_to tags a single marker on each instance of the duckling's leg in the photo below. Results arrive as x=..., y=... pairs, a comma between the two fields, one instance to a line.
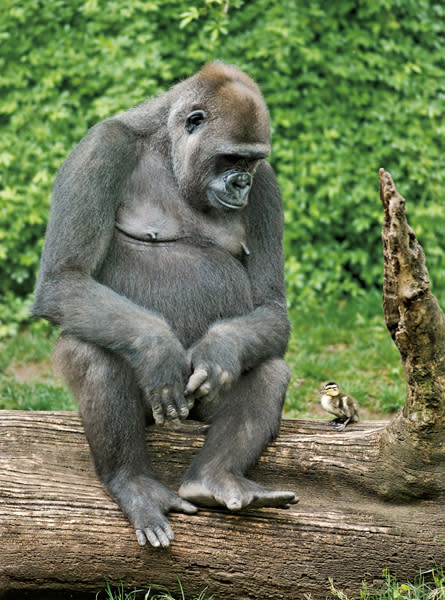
x=342, y=425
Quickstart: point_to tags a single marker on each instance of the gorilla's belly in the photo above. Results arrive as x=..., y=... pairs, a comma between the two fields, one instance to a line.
x=191, y=286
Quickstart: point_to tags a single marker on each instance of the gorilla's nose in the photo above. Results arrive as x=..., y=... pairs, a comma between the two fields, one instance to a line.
x=239, y=181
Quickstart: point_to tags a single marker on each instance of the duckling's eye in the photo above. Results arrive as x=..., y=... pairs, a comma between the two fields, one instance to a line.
x=194, y=120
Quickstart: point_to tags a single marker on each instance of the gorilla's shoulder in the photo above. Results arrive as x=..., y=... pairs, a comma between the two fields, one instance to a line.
x=111, y=131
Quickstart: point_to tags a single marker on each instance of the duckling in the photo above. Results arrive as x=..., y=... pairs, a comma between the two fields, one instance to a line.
x=344, y=407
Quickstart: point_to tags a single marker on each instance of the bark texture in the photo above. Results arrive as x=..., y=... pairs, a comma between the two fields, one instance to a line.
x=412, y=448
x=371, y=497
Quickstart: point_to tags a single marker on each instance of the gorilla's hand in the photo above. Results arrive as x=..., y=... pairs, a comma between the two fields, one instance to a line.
x=215, y=366
x=164, y=380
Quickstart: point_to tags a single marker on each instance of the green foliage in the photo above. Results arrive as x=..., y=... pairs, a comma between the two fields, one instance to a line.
x=351, y=87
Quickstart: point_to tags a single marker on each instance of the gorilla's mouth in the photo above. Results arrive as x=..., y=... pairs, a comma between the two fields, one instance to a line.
x=226, y=200
x=230, y=189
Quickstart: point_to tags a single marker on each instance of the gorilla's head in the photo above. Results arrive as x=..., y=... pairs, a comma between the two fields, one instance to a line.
x=219, y=131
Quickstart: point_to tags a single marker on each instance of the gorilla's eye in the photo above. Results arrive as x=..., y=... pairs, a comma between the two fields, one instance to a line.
x=194, y=120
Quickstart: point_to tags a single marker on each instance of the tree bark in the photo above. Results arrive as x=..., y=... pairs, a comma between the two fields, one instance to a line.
x=412, y=448
x=371, y=497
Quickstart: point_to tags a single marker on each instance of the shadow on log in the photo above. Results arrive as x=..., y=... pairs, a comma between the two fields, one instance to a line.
x=371, y=497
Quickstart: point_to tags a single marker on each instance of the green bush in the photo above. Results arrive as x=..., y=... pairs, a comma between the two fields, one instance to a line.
x=351, y=87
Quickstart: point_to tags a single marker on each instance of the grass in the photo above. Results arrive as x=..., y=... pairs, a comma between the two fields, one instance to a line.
x=27, y=381
x=159, y=593
x=429, y=585
x=346, y=342
x=343, y=341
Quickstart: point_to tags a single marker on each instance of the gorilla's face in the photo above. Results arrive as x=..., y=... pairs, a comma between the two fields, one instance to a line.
x=219, y=133
x=230, y=185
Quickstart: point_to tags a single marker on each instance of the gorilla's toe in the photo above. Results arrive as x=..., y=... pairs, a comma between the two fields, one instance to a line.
x=234, y=493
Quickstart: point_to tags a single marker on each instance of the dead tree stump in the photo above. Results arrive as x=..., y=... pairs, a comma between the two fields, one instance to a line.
x=412, y=448
x=372, y=497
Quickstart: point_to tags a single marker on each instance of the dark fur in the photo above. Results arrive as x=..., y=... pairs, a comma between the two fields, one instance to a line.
x=155, y=282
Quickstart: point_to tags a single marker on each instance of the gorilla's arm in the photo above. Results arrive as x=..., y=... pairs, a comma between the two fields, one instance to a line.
x=232, y=346
x=86, y=194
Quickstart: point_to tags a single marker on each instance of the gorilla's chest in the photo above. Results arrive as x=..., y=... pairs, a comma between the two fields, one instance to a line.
x=152, y=209
x=184, y=264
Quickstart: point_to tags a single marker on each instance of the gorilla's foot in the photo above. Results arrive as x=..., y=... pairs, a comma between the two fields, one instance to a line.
x=145, y=502
x=233, y=492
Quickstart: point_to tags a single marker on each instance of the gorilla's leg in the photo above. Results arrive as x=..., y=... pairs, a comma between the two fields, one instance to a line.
x=242, y=422
x=113, y=416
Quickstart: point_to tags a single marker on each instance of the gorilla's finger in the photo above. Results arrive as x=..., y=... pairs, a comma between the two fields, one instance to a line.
x=171, y=411
x=157, y=410
x=196, y=379
x=182, y=403
x=204, y=389
x=202, y=392
x=225, y=378
x=168, y=404
x=184, y=410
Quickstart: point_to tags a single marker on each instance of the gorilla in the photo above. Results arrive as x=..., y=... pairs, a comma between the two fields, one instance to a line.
x=163, y=267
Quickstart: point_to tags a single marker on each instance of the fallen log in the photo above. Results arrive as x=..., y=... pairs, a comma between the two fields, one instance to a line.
x=60, y=531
